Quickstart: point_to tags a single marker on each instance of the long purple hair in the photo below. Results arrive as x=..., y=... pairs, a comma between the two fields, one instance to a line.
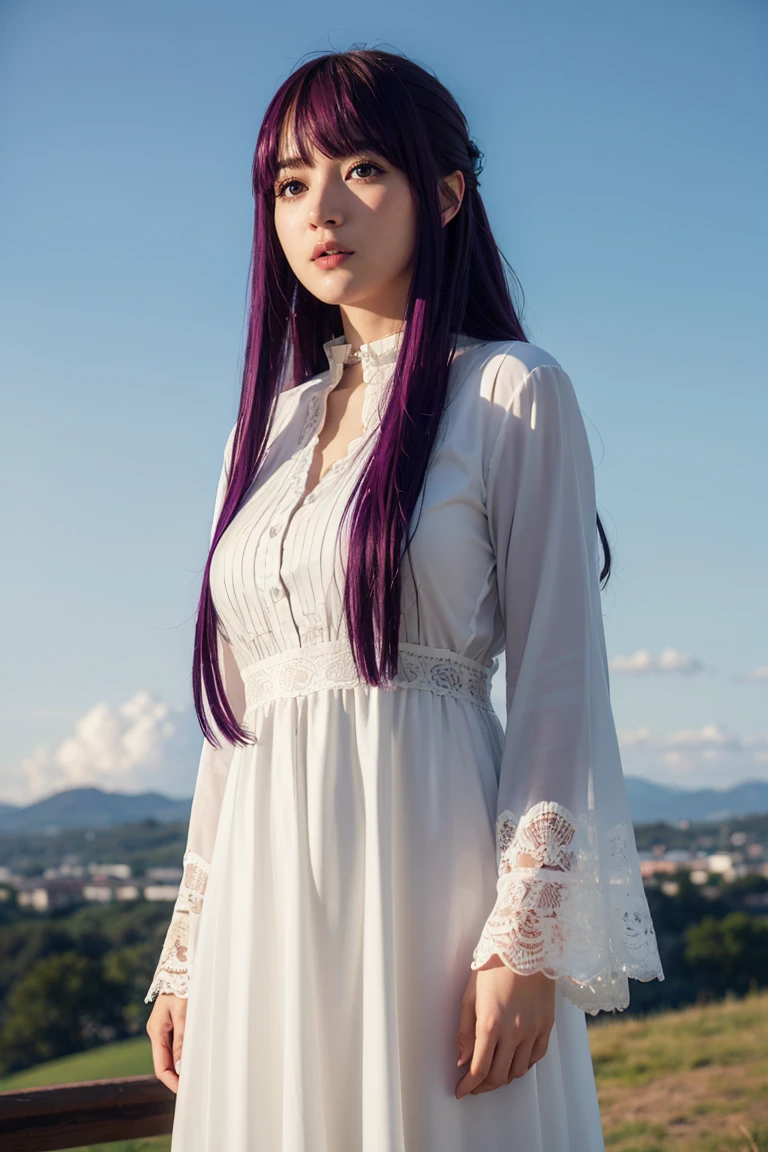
x=344, y=103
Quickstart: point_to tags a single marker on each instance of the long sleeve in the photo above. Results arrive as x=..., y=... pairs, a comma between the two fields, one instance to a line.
x=174, y=969
x=570, y=899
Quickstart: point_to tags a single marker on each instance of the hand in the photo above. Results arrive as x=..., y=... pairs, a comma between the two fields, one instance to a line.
x=165, y=1027
x=505, y=1024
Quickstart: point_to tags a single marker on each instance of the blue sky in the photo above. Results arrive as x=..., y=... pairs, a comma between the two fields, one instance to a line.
x=623, y=165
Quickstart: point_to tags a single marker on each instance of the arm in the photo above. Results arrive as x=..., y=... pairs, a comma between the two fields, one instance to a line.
x=174, y=967
x=570, y=899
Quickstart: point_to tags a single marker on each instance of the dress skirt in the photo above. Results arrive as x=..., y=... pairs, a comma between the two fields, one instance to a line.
x=353, y=869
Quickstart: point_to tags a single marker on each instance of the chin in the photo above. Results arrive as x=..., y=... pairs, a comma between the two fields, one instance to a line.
x=331, y=294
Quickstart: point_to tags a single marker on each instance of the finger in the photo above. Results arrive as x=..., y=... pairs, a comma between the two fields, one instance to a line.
x=162, y=1061
x=498, y=1073
x=465, y=1040
x=161, y=1038
x=482, y=1057
x=179, y=1020
x=521, y=1061
x=171, y=1080
x=540, y=1045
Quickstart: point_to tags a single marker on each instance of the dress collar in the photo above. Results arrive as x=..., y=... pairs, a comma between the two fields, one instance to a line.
x=377, y=353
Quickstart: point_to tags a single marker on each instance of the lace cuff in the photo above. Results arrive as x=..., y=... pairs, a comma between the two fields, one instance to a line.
x=174, y=968
x=579, y=913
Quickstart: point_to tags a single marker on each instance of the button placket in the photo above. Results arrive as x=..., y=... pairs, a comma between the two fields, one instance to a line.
x=294, y=500
x=277, y=590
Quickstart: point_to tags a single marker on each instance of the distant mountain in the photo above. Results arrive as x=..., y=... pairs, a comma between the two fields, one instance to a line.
x=650, y=802
x=95, y=808
x=91, y=808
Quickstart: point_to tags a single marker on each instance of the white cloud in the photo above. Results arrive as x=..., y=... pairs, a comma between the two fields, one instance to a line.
x=709, y=756
x=635, y=737
x=707, y=737
x=758, y=675
x=643, y=663
x=670, y=661
x=143, y=745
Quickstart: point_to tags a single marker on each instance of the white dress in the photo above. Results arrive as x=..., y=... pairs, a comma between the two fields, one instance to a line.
x=344, y=873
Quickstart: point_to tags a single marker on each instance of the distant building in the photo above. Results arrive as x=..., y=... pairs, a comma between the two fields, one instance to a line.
x=127, y=892
x=678, y=855
x=46, y=895
x=161, y=891
x=164, y=875
x=99, y=892
x=119, y=871
x=657, y=867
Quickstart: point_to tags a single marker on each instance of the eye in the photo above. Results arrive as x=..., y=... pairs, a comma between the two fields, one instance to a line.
x=367, y=164
x=281, y=190
x=286, y=184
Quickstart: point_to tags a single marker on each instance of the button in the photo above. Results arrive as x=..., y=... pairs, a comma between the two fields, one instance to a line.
x=275, y=529
x=275, y=593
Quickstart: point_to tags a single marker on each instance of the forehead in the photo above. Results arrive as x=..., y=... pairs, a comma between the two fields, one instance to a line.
x=347, y=143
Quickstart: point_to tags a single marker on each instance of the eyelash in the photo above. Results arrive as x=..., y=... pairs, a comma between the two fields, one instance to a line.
x=360, y=164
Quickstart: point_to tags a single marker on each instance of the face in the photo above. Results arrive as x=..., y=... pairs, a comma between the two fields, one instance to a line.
x=360, y=202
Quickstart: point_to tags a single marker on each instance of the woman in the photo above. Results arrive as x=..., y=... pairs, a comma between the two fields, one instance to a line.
x=394, y=914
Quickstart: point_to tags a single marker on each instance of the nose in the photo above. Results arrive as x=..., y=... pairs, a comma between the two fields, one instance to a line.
x=324, y=207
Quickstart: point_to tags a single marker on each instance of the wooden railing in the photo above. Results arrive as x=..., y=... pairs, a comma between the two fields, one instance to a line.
x=93, y=1112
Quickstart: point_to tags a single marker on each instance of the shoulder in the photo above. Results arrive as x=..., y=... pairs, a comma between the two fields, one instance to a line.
x=525, y=397
x=505, y=376
x=513, y=368
x=502, y=368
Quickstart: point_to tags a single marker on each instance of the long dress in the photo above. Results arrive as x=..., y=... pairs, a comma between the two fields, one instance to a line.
x=345, y=872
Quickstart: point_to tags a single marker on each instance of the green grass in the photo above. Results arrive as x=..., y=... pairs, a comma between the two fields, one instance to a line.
x=694, y=1080
x=126, y=1058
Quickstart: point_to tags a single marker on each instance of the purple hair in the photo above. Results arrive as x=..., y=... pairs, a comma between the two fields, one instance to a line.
x=342, y=103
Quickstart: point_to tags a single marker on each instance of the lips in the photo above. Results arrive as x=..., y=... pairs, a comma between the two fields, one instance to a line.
x=322, y=249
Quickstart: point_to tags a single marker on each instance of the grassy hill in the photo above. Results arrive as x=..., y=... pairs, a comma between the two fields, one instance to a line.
x=694, y=1080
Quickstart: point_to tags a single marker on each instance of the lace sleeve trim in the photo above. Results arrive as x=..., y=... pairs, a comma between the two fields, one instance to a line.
x=579, y=913
x=174, y=967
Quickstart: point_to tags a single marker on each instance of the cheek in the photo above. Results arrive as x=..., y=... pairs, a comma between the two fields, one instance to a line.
x=291, y=237
x=396, y=231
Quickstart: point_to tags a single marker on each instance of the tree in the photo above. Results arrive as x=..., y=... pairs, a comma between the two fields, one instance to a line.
x=62, y=1004
x=728, y=954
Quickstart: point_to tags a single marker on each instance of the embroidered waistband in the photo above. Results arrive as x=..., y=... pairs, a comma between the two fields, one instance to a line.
x=330, y=664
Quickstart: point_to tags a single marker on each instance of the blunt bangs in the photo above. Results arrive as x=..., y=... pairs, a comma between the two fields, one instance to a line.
x=339, y=112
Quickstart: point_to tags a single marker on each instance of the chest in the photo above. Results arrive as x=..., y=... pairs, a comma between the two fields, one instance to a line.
x=341, y=426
